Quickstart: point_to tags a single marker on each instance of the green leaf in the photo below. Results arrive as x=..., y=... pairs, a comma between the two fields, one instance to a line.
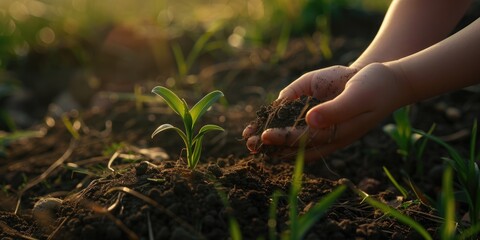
x=448, y=206
x=197, y=151
x=307, y=220
x=187, y=121
x=180, y=60
x=207, y=128
x=399, y=216
x=457, y=160
x=473, y=141
x=164, y=127
x=272, y=215
x=470, y=232
x=395, y=183
x=175, y=103
x=296, y=187
x=202, y=106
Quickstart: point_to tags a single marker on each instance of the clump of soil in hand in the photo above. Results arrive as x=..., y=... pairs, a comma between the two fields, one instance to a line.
x=280, y=114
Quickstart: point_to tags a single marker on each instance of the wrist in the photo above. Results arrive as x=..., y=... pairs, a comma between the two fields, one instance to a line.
x=407, y=92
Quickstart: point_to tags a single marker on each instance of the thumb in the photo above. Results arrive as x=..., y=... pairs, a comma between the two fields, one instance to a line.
x=345, y=106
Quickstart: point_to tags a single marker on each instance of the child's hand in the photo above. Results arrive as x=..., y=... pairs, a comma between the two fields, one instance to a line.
x=325, y=84
x=368, y=97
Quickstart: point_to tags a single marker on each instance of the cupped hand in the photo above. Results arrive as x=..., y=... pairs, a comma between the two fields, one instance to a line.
x=367, y=97
x=324, y=84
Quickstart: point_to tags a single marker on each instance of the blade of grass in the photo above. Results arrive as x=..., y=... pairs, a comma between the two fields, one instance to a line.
x=399, y=216
x=395, y=183
x=68, y=124
x=272, y=216
x=307, y=220
x=389, y=210
x=295, y=188
x=448, y=206
x=200, y=45
x=473, y=141
x=419, y=194
x=421, y=150
x=470, y=232
x=180, y=60
x=234, y=227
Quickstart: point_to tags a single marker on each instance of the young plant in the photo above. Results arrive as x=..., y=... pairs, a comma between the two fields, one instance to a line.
x=407, y=139
x=467, y=172
x=185, y=63
x=389, y=211
x=401, y=132
x=299, y=225
x=447, y=206
x=190, y=117
x=448, y=229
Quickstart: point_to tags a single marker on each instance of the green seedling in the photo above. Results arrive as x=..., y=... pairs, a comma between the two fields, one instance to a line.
x=190, y=117
x=408, y=141
x=300, y=225
x=390, y=211
x=233, y=225
x=447, y=206
x=467, y=172
x=185, y=63
x=401, y=189
x=70, y=127
x=401, y=132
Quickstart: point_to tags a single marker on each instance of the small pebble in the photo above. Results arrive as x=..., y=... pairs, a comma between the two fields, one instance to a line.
x=44, y=211
x=453, y=113
x=141, y=168
x=215, y=170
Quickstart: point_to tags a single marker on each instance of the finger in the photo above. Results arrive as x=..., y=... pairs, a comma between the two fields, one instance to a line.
x=253, y=144
x=327, y=89
x=297, y=88
x=311, y=154
x=345, y=134
x=291, y=136
x=324, y=84
x=249, y=131
x=354, y=101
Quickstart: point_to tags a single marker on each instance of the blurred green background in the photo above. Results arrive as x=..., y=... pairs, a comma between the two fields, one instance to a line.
x=86, y=46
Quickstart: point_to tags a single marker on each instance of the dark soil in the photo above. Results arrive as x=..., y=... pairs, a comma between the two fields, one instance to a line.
x=282, y=113
x=166, y=200
x=115, y=182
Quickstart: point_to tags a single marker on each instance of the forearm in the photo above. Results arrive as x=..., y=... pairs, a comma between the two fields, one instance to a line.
x=448, y=65
x=410, y=26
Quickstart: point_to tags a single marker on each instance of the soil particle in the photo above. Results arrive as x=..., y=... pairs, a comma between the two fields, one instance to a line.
x=44, y=212
x=280, y=114
x=283, y=113
x=141, y=168
x=215, y=170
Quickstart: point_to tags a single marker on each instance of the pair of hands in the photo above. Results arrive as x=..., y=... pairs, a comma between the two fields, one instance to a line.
x=355, y=102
